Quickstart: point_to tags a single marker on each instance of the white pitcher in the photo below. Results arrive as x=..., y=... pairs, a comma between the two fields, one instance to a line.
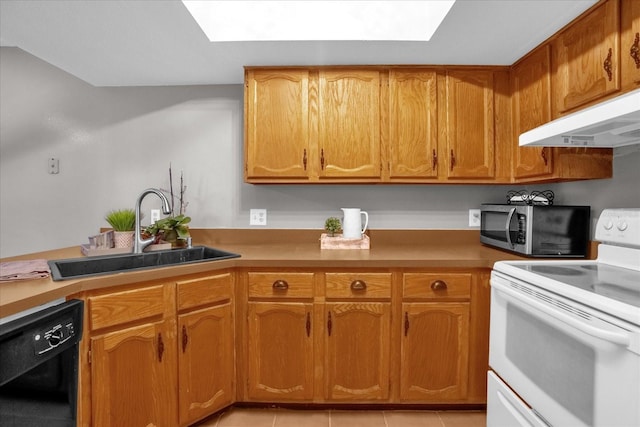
x=352, y=223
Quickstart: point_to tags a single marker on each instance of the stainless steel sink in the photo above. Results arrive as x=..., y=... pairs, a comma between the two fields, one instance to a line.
x=64, y=269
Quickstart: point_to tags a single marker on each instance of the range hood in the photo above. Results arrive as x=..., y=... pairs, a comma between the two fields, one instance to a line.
x=612, y=123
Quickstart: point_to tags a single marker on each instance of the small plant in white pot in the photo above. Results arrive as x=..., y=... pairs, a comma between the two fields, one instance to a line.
x=123, y=222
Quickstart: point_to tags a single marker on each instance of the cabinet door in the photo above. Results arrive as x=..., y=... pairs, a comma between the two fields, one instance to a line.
x=133, y=376
x=630, y=44
x=531, y=90
x=277, y=123
x=280, y=351
x=205, y=362
x=469, y=124
x=357, y=344
x=349, y=124
x=586, y=58
x=413, y=130
x=435, y=346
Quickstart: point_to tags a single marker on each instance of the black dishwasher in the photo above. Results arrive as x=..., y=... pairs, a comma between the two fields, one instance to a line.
x=39, y=367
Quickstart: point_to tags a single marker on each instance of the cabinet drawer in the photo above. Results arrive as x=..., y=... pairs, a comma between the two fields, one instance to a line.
x=436, y=285
x=282, y=285
x=358, y=285
x=127, y=306
x=204, y=290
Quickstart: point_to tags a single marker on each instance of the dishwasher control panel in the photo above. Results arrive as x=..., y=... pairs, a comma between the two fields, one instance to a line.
x=52, y=336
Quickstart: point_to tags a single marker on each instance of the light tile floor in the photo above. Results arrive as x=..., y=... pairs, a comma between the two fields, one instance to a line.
x=250, y=417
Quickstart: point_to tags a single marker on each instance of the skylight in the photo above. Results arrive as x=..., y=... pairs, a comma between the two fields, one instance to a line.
x=224, y=21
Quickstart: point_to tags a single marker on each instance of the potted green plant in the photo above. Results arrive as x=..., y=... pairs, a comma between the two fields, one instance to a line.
x=333, y=226
x=123, y=222
x=172, y=229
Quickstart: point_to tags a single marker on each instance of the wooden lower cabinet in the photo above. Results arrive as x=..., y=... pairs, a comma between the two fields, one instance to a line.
x=133, y=376
x=158, y=353
x=205, y=362
x=206, y=346
x=435, y=349
x=280, y=349
x=444, y=341
x=163, y=353
x=358, y=345
x=406, y=337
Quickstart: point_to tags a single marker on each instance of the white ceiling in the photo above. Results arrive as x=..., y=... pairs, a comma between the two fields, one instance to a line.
x=157, y=42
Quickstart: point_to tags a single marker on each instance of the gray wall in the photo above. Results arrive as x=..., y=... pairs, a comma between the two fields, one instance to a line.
x=112, y=143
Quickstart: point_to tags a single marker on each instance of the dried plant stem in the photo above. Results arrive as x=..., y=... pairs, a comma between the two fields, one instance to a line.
x=181, y=194
x=171, y=190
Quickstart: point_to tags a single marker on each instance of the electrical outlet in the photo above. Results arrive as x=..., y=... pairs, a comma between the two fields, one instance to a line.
x=474, y=217
x=257, y=217
x=155, y=215
x=53, y=166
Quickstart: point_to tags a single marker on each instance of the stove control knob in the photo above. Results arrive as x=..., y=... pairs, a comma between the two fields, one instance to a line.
x=622, y=225
x=608, y=225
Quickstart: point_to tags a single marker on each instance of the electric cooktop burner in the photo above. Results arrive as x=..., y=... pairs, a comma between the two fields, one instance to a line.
x=620, y=284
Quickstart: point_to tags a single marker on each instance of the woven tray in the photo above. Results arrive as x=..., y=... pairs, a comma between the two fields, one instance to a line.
x=339, y=242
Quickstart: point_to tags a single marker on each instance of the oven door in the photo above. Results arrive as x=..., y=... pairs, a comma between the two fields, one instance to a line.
x=574, y=366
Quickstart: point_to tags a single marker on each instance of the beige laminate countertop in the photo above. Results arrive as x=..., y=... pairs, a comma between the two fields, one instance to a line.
x=271, y=249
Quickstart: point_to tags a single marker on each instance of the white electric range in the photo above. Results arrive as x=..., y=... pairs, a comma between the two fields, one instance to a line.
x=565, y=335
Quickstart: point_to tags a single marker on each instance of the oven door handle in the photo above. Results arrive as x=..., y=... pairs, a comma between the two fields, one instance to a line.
x=507, y=226
x=530, y=305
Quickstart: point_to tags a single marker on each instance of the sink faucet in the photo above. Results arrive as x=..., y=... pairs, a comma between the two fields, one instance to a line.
x=139, y=243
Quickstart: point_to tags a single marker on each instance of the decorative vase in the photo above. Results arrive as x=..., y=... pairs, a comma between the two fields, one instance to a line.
x=123, y=239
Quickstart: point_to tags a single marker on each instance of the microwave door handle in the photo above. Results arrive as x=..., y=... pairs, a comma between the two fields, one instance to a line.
x=530, y=305
x=506, y=227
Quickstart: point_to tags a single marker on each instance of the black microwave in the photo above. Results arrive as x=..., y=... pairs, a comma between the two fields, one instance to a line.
x=537, y=230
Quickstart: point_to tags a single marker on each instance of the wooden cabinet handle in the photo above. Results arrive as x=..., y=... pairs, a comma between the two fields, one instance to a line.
x=607, y=65
x=543, y=154
x=635, y=50
x=160, y=347
x=439, y=285
x=406, y=323
x=329, y=324
x=434, y=159
x=280, y=285
x=322, y=159
x=308, y=325
x=304, y=159
x=185, y=338
x=358, y=285
x=452, y=160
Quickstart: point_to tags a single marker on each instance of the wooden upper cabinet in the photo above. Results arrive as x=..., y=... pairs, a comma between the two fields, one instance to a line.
x=531, y=89
x=276, y=123
x=349, y=123
x=630, y=44
x=468, y=124
x=413, y=124
x=586, y=59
